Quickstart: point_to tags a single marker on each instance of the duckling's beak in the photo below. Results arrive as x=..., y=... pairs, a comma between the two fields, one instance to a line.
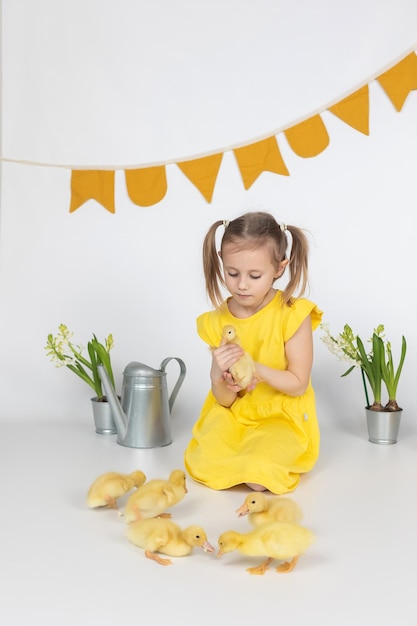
x=207, y=547
x=220, y=553
x=242, y=510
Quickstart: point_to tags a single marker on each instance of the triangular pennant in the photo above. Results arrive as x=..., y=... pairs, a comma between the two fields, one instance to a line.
x=308, y=138
x=92, y=185
x=354, y=110
x=259, y=157
x=400, y=80
x=146, y=186
x=203, y=173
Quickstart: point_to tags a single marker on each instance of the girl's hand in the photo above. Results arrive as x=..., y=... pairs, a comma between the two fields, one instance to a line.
x=230, y=383
x=236, y=388
x=223, y=358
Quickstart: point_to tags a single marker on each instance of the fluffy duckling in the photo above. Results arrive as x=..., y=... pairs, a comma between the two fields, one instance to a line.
x=243, y=371
x=277, y=540
x=162, y=535
x=260, y=509
x=109, y=487
x=155, y=497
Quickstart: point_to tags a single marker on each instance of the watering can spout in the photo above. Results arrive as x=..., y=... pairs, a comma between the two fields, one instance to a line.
x=119, y=416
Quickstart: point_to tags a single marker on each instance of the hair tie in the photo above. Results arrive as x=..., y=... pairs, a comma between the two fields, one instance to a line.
x=283, y=227
x=226, y=224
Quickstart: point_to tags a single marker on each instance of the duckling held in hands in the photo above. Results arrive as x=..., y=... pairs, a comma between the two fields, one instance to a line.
x=109, y=487
x=244, y=370
x=162, y=535
x=283, y=541
x=261, y=509
x=156, y=496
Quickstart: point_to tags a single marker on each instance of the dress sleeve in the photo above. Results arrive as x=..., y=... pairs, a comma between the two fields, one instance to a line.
x=205, y=329
x=297, y=313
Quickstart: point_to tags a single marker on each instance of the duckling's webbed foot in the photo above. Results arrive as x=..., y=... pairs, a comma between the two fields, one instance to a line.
x=136, y=513
x=111, y=503
x=260, y=569
x=158, y=559
x=284, y=568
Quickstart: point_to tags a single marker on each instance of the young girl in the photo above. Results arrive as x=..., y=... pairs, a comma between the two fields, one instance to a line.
x=267, y=434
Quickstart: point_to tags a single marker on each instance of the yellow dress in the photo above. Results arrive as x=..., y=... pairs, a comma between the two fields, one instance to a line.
x=266, y=436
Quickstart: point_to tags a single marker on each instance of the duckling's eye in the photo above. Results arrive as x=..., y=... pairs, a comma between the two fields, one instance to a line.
x=197, y=536
x=253, y=501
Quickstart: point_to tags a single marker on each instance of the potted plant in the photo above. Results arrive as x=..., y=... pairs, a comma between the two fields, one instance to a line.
x=378, y=370
x=64, y=353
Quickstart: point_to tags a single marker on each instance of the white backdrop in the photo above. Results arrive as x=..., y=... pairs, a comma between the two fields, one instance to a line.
x=102, y=82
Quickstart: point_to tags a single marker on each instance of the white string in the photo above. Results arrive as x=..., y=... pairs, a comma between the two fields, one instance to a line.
x=228, y=148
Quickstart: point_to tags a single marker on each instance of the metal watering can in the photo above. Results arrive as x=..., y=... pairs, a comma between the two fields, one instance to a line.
x=143, y=415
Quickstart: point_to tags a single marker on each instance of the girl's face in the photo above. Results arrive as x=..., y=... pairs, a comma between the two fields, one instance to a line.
x=249, y=275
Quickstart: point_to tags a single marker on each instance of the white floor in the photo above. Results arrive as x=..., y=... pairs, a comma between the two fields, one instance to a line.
x=63, y=564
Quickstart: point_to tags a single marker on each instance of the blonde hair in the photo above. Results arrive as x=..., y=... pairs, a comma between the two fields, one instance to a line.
x=254, y=230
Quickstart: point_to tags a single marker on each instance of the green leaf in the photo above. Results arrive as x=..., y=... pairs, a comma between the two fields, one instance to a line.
x=94, y=363
x=390, y=377
x=371, y=365
x=104, y=358
x=82, y=374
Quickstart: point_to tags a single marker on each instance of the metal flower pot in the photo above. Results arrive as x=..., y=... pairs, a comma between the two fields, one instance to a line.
x=103, y=417
x=383, y=426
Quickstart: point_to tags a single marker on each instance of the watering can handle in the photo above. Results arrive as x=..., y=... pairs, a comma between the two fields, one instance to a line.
x=180, y=378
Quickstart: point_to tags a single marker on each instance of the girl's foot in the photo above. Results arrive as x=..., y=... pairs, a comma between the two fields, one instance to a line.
x=256, y=487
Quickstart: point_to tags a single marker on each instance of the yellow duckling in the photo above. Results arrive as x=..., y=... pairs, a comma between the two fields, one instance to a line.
x=283, y=541
x=109, y=487
x=243, y=371
x=156, y=496
x=162, y=535
x=261, y=509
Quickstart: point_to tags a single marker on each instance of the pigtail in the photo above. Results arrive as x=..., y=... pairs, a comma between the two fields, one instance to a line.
x=297, y=265
x=212, y=267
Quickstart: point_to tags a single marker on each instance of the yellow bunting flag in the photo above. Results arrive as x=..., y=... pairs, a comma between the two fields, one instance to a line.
x=92, y=185
x=203, y=173
x=400, y=80
x=147, y=185
x=354, y=110
x=259, y=157
x=308, y=138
